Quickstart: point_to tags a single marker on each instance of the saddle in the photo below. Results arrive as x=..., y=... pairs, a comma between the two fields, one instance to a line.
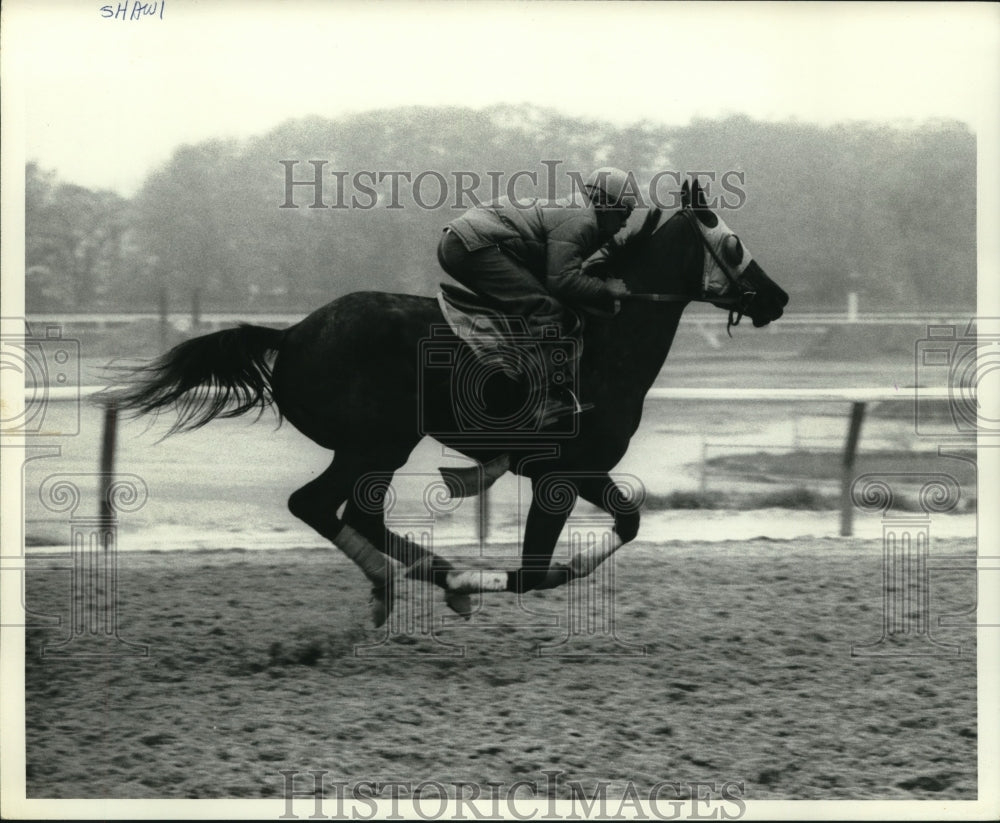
x=480, y=324
x=492, y=335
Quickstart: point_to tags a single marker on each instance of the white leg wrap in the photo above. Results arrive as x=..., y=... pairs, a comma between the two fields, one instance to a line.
x=370, y=560
x=475, y=580
x=589, y=559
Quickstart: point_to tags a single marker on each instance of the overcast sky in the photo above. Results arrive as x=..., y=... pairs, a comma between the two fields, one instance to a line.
x=105, y=101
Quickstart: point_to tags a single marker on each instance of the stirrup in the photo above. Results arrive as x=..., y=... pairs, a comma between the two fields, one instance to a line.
x=578, y=407
x=557, y=408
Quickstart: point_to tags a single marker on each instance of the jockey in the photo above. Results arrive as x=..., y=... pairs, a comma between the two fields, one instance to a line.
x=529, y=259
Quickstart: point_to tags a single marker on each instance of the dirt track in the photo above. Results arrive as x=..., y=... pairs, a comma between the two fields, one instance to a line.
x=747, y=675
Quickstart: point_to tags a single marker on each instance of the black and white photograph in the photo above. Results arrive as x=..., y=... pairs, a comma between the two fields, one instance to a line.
x=526, y=410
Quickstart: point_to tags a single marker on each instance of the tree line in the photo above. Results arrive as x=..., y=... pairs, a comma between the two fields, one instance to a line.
x=886, y=210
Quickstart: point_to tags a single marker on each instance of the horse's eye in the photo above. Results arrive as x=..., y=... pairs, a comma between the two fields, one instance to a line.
x=732, y=250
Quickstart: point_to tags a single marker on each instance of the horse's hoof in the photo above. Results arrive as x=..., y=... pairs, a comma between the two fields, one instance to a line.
x=579, y=566
x=460, y=603
x=381, y=603
x=380, y=613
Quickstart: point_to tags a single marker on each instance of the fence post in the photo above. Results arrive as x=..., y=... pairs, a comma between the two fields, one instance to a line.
x=850, y=452
x=704, y=466
x=109, y=439
x=195, y=310
x=484, y=516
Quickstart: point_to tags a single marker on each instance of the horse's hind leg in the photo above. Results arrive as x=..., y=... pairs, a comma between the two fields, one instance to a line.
x=317, y=503
x=365, y=512
x=371, y=523
x=365, y=509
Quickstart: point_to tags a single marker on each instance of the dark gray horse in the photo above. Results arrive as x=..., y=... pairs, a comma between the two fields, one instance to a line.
x=358, y=376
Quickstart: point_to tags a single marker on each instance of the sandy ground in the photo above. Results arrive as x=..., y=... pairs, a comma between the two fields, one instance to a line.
x=712, y=662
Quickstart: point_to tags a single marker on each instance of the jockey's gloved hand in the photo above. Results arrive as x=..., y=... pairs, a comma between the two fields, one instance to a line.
x=616, y=287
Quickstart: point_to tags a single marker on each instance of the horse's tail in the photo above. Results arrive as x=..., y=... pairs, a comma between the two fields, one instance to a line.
x=223, y=374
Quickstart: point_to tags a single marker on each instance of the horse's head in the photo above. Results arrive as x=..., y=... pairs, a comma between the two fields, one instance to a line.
x=708, y=263
x=729, y=271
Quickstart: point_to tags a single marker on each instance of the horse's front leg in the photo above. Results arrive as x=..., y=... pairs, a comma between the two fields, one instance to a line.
x=552, y=501
x=606, y=494
x=553, y=498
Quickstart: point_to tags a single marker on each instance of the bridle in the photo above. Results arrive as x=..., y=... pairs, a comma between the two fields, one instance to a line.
x=738, y=303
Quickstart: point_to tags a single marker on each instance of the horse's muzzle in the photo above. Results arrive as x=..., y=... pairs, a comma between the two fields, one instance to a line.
x=760, y=321
x=769, y=300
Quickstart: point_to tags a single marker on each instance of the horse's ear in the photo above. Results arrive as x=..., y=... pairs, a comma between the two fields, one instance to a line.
x=685, y=195
x=701, y=209
x=698, y=195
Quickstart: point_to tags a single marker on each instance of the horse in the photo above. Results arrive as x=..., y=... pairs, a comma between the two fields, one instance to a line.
x=356, y=376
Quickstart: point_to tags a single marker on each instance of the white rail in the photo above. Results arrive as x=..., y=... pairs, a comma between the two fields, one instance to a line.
x=865, y=395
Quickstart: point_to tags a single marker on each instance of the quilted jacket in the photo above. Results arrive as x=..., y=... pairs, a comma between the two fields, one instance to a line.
x=551, y=240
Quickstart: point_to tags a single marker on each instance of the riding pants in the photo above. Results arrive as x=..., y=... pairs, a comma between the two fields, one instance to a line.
x=493, y=273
